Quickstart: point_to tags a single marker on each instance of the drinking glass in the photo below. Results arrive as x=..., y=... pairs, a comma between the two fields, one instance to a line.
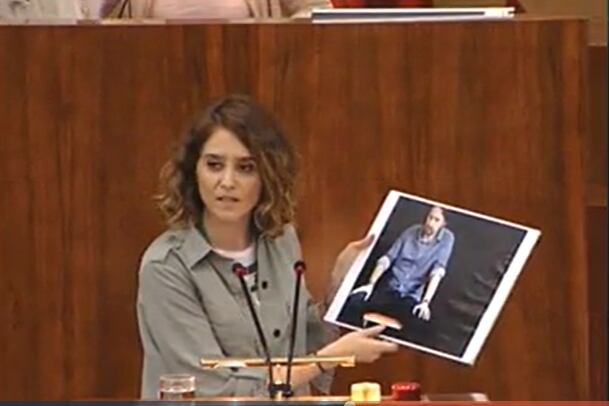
x=177, y=387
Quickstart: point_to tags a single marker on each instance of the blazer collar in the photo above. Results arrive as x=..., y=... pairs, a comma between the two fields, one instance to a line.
x=195, y=246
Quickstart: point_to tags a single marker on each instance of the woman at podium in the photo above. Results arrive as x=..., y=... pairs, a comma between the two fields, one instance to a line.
x=228, y=197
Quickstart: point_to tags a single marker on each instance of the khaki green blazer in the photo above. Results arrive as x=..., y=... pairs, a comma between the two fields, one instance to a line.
x=190, y=305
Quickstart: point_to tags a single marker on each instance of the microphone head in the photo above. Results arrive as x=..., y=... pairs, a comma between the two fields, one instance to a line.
x=239, y=269
x=300, y=267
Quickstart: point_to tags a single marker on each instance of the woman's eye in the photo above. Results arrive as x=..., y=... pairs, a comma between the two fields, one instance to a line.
x=247, y=168
x=214, y=166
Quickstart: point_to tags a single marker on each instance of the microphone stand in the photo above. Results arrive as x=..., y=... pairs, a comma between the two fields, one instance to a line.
x=241, y=271
x=277, y=389
x=299, y=269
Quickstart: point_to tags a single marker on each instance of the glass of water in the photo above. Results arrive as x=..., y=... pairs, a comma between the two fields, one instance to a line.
x=177, y=387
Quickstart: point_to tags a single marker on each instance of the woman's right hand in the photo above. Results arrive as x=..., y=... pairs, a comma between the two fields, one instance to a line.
x=362, y=344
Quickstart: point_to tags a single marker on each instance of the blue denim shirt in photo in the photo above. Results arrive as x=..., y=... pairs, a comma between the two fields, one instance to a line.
x=413, y=261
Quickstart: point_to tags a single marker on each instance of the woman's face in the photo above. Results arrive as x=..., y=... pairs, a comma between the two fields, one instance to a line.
x=228, y=179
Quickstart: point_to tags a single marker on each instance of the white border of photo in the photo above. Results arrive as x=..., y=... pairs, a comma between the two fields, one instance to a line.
x=499, y=298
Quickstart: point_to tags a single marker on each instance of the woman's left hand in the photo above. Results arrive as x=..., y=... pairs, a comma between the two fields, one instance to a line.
x=347, y=256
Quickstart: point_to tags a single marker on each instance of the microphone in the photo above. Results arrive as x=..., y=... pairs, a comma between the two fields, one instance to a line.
x=299, y=270
x=240, y=271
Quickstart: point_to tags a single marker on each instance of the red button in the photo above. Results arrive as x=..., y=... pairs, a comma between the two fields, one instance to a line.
x=406, y=391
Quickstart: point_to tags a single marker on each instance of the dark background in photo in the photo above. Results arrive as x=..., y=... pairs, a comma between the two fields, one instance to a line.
x=481, y=254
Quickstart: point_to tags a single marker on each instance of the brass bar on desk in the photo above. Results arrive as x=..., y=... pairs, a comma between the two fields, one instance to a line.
x=261, y=362
x=258, y=399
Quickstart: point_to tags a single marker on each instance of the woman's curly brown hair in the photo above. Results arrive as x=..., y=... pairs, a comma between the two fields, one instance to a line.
x=179, y=199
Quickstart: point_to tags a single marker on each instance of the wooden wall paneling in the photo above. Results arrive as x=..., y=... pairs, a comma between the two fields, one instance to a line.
x=595, y=159
x=477, y=115
x=597, y=259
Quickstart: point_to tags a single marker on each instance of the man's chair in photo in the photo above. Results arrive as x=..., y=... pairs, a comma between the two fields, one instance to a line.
x=370, y=318
x=378, y=318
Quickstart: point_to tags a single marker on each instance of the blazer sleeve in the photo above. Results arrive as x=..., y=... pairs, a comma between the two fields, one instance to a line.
x=174, y=325
x=319, y=335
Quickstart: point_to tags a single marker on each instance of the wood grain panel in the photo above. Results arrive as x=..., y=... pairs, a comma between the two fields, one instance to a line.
x=595, y=160
x=486, y=115
x=596, y=143
x=599, y=280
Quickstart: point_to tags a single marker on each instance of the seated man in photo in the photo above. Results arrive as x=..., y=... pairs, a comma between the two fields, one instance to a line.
x=406, y=278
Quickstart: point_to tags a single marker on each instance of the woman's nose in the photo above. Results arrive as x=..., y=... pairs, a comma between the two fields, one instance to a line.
x=227, y=180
